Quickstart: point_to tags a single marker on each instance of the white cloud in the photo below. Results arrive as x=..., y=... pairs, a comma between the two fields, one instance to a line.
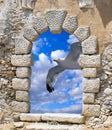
x=58, y=54
x=72, y=39
x=39, y=71
x=38, y=44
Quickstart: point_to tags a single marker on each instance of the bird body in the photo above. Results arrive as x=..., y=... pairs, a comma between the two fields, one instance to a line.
x=70, y=62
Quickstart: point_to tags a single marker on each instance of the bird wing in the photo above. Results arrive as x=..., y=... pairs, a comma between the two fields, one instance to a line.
x=71, y=61
x=51, y=77
x=53, y=73
x=75, y=51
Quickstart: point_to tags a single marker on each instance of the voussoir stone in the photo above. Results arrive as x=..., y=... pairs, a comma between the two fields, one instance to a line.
x=90, y=72
x=91, y=110
x=91, y=85
x=88, y=98
x=82, y=33
x=22, y=107
x=89, y=61
x=55, y=19
x=21, y=84
x=22, y=60
x=40, y=24
x=30, y=117
x=22, y=46
x=30, y=34
x=70, y=24
x=89, y=46
x=22, y=96
x=23, y=72
x=70, y=118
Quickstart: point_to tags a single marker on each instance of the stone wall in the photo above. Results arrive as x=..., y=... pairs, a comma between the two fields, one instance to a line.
x=19, y=28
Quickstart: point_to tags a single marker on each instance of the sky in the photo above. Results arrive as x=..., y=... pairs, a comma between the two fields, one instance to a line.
x=67, y=96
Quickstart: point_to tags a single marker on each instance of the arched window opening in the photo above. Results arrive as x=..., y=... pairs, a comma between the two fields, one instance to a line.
x=67, y=96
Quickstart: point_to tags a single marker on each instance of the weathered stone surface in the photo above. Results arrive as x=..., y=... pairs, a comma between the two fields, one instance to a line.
x=20, y=84
x=48, y=126
x=70, y=118
x=88, y=98
x=22, y=96
x=90, y=72
x=91, y=110
x=22, y=46
x=22, y=107
x=31, y=117
x=108, y=122
x=22, y=60
x=89, y=61
x=86, y=3
x=70, y=24
x=30, y=34
x=108, y=91
x=82, y=33
x=26, y=5
x=40, y=24
x=89, y=46
x=91, y=85
x=55, y=19
x=18, y=124
x=23, y=72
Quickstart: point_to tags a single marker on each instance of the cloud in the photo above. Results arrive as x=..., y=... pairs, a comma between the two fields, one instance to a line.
x=58, y=54
x=38, y=44
x=39, y=71
x=72, y=39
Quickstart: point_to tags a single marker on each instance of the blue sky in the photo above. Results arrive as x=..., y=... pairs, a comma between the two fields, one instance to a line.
x=67, y=97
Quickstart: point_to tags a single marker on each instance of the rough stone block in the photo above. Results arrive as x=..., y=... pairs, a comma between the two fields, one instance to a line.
x=91, y=85
x=20, y=84
x=91, y=110
x=30, y=34
x=40, y=24
x=48, y=126
x=90, y=72
x=30, y=117
x=19, y=124
x=23, y=72
x=70, y=24
x=82, y=33
x=22, y=60
x=90, y=45
x=90, y=61
x=70, y=118
x=108, y=122
x=88, y=98
x=108, y=91
x=86, y=4
x=22, y=107
x=55, y=19
x=22, y=46
x=22, y=96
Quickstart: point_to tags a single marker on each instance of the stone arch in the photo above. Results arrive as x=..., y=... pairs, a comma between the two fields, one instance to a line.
x=56, y=20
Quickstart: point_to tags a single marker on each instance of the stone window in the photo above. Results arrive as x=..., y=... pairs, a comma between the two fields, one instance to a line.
x=90, y=61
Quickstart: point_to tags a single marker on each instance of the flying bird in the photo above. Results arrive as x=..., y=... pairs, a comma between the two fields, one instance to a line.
x=70, y=62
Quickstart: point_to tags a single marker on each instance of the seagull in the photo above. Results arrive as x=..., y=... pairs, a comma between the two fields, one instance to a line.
x=69, y=63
